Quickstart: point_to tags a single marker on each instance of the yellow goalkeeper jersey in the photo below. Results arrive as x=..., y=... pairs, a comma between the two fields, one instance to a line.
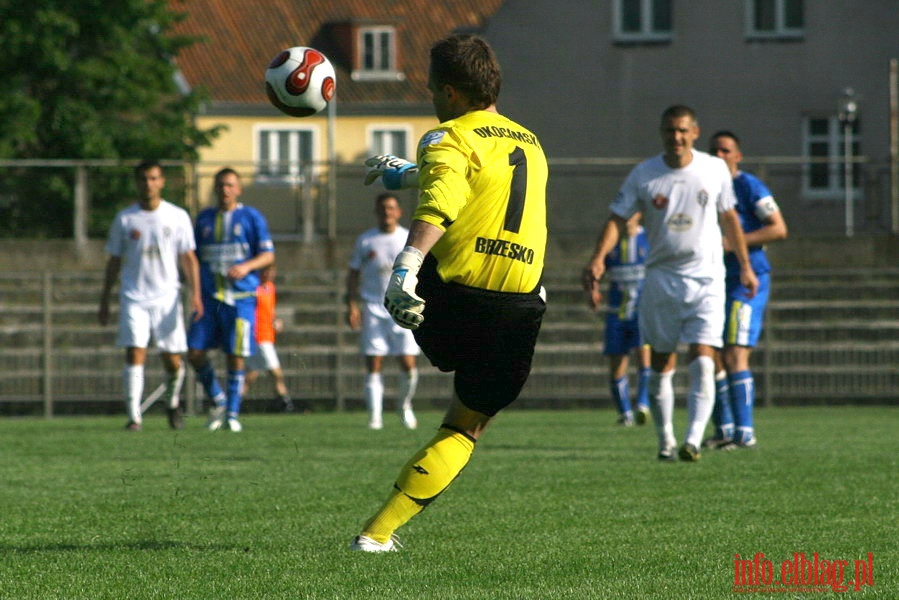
x=482, y=180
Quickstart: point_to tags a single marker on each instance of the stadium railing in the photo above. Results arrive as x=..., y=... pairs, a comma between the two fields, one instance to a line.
x=832, y=336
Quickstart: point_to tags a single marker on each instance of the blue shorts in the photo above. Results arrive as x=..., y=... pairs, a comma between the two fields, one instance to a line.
x=622, y=335
x=744, y=316
x=229, y=328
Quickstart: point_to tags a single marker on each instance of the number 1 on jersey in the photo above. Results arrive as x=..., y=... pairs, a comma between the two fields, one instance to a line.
x=517, y=190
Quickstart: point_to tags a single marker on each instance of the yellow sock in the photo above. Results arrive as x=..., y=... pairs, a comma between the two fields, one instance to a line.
x=423, y=478
x=397, y=510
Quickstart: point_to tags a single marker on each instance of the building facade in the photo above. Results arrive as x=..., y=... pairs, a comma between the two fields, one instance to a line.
x=590, y=77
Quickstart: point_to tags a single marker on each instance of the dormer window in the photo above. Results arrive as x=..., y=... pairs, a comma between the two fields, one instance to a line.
x=376, y=54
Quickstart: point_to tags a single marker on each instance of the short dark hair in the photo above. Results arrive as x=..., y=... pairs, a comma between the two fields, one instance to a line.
x=145, y=165
x=726, y=133
x=468, y=63
x=223, y=172
x=386, y=196
x=676, y=111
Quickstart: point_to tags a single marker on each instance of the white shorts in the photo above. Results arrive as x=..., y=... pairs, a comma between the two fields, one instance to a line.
x=265, y=359
x=160, y=320
x=382, y=337
x=677, y=309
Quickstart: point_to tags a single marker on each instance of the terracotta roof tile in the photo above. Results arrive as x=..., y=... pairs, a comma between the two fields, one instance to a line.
x=238, y=39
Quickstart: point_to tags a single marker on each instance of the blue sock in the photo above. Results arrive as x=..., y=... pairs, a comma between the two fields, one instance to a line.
x=621, y=395
x=742, y=390
x=643, y=387
x=722, y=415
x=235, y=384
x=206, y=375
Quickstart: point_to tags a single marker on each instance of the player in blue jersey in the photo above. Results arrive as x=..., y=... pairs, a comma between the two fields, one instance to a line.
x=625, y=270
x=233, y=244
x=762, y=222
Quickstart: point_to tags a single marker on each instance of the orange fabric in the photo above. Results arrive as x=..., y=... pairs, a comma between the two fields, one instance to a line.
x=265, y=313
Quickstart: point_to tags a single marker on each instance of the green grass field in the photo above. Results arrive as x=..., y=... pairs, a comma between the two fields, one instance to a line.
x=557, y=504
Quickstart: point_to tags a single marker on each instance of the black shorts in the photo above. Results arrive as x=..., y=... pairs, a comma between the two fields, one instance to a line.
x=487, y=338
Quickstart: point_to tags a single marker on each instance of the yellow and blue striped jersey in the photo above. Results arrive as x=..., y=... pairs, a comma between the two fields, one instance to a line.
x=224, y=239
x=625, y=270
x=482, y=180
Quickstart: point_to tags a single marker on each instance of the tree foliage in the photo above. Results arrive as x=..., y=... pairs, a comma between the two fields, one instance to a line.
x=87, y=79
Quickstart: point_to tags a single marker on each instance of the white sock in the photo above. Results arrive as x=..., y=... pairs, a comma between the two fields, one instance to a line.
x=374, y=397
x=173, y=387
x=408, y=385
x=661, y=396
x=701, y=399
x=133, y=377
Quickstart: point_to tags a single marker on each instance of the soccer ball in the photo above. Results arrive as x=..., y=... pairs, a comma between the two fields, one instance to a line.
x=300, y=81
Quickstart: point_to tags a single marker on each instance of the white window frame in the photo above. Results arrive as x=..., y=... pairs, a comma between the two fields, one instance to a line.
x=834, y=139
x=646, y=33
x=374, y=129
x=295, y=171
x=780, y=31
x=377, y=73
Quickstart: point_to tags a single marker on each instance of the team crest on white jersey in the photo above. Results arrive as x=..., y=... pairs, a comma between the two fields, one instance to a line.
x=680, y=222
x=660, y=201
x=702, y=198
x=431, y=138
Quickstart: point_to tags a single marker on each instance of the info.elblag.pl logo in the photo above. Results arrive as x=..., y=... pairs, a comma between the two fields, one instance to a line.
x=802, y=574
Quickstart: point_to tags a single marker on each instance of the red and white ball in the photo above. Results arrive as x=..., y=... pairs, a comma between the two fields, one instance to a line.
x=300, y=81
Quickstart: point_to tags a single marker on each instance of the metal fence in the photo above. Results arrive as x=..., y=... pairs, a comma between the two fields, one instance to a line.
x=314, y=201
x=831, y=336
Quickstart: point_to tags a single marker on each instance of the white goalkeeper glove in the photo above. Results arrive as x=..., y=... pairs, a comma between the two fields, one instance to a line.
x=396, y=173
x=400, y=299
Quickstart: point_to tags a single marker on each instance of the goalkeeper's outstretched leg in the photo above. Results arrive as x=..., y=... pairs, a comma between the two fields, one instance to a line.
x=474, y=300
x=427, y=475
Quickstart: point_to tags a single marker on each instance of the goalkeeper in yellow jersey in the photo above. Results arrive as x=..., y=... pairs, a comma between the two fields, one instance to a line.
x=468, y=280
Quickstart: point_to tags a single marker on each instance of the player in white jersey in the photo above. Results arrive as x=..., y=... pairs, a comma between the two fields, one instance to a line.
x=147, y=243
x=369, y=271
x=682, y=193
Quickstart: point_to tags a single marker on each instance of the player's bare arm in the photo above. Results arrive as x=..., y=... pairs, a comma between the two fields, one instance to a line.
x=775, y=229
x=190, y=266
x=353, y=315
x=260, y=261
x=733, y=234
x=423, y=235
x=113, y=265
x=614, y=228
